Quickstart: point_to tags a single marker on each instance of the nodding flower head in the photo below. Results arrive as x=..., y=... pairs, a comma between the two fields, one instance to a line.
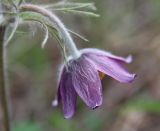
x=82, y=77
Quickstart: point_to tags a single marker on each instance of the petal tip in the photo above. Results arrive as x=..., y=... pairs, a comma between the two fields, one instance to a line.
x=97, y=105
x=68, y=115
x=55, y=102
x=133, y=77
x=129, y=59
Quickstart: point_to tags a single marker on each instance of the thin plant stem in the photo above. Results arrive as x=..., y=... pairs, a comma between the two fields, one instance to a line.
x=3, y=87
x=68, y=41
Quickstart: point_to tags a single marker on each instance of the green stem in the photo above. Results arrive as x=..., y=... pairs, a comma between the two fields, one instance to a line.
x=3, y=88
x=67, y=39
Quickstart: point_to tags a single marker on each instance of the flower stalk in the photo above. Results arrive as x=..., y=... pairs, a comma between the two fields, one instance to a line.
x=3, y=89
x=67, y=39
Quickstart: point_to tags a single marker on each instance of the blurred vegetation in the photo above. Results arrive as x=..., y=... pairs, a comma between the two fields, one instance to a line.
x=124, y=27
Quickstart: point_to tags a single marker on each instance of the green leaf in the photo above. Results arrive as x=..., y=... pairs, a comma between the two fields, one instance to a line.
x=55, y=34
x=86, y=13
x=40, y=19
x=46, y=36
x=15, y=26
x=19, y=32
x=71, y=6
x=80, y=36
x=45, y=28
x=31, y=15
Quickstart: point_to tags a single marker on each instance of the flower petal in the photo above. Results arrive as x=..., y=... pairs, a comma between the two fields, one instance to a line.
x=111, y=67
x=86, y=82
x=101, y=53
x=67, y=94
x=55, y=102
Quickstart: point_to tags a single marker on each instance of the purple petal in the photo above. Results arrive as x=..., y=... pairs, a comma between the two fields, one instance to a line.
x=101, y=53
x=111, y=67
x=86, y=82
x=67, y=94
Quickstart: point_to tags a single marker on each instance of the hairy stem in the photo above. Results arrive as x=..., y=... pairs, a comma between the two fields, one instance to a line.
x=3, y=88
x=57, y=23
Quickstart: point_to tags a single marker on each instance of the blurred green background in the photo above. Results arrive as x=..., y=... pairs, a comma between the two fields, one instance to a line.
x=124, y=27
